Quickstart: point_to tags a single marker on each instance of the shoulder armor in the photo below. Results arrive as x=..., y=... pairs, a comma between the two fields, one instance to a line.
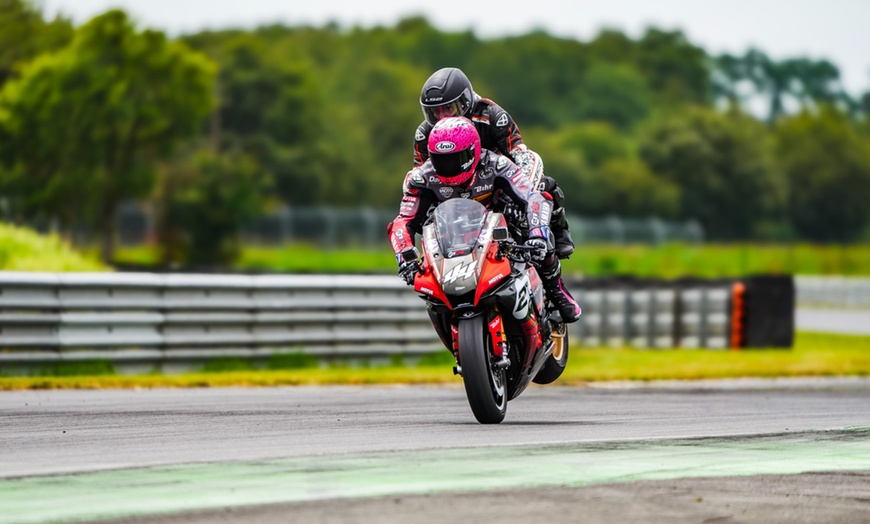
x=414, y=181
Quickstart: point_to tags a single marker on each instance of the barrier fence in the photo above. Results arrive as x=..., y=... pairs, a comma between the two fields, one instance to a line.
x=833, y=292
x=143, y=322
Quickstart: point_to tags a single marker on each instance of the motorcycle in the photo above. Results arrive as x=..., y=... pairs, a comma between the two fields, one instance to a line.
x=487, y=304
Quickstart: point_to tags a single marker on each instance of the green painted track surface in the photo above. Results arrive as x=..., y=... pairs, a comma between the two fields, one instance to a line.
x=170, y=489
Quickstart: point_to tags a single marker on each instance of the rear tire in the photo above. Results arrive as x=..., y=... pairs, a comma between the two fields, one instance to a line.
x=556, y=362
x=485, y=385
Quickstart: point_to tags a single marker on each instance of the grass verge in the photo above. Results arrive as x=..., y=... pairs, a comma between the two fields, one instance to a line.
x=662, y=261
x=22, y=249
x=814, y=355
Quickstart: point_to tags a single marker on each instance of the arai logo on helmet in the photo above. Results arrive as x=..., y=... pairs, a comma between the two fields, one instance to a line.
x=445, y=147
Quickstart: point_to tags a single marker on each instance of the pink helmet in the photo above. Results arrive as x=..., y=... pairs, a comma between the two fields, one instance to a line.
x=454, y=149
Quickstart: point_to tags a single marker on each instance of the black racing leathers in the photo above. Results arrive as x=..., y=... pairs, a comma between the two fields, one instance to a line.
x=495, y=175
x=498, y=131
x=423, y=190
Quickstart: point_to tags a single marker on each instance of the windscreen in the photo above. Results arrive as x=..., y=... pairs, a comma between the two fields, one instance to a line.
x=457, y=225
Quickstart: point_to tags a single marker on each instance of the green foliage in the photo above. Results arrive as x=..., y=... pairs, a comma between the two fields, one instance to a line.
x=205, y=200
x=89, y=368
x=827, y=164
x=308, y=116
x=800, y=81
x=24, y=34
x=227, y=364
x=87, y=122
x=308, y=259
x=666, y=260
x=293, y=361
x=723, y=165
x=24, y=250
x=616, y=94
x=600, y=172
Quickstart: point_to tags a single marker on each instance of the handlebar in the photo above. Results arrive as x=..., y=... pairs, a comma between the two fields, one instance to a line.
x=515, y=252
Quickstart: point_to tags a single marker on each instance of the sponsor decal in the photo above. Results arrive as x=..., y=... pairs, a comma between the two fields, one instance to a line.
x=536, y=214
x=445, y=146
x=545, y=215
x=496, y=278
x=434, y=99
x=417, y=178
x=446, y=191
x=502, y=162
x=465, y=194
x=502, y=120
x=521, y=306
x=419, y=136
x=460, y=272
x=427, y=291
x=482, y=189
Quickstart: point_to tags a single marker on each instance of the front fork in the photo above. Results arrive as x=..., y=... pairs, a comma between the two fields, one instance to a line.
x=497, y=341
x=448, y=332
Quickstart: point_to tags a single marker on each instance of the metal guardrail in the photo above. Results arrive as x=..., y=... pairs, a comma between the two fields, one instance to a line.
x=151, y=321
x=174, y=319
x=833, y=292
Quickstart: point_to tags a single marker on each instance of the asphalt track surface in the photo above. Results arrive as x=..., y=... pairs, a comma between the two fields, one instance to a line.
x=415, y=454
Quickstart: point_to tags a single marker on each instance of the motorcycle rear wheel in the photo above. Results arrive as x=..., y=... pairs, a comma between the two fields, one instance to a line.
x=485, y=384
x=556, y=362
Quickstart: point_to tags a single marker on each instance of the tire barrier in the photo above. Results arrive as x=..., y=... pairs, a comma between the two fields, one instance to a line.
x=169, y=321
x=756, y=311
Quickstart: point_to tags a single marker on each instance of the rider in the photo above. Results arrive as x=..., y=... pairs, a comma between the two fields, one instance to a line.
x=456, y=168
x=447, y=93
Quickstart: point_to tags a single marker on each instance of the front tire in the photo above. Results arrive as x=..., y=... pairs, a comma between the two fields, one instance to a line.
x=485, y=385
x=556, y=362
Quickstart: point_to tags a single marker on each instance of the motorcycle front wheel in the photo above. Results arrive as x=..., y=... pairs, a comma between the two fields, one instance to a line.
x=485, y=384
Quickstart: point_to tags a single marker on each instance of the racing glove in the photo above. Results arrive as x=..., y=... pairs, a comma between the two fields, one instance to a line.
x=539, y=253
x=409, y=264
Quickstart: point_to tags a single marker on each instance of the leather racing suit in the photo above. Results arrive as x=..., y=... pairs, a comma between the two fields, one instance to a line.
x=500, y=133
x=495, y=179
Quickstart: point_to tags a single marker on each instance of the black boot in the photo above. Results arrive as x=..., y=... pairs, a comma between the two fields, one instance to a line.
x=551, y=275
x=558, y=221
x=559, y=226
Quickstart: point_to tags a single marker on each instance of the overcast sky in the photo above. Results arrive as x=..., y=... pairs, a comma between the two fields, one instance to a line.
x=838, y=30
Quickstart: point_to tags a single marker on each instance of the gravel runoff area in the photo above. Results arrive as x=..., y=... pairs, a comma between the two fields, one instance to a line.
x=834, y=497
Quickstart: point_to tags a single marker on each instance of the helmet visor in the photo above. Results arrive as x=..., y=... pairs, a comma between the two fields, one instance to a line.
x=436, y=113
x=457, y=107
x=451, y=165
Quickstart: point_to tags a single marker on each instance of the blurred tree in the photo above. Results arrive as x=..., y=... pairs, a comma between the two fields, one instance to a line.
x=535, y=77
x=677, y=70
x=616, y=94
x=87, y=123
x=269, y=108
x=799, y=82
x=24, y=33
x=722, y=164
x=206, y=198
x=827, y=163
x=601, y=174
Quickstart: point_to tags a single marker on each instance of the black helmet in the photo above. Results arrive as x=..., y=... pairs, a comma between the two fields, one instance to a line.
x=446, y=93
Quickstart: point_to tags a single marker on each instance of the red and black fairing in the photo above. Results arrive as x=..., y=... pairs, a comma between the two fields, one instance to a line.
x=483, y=282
